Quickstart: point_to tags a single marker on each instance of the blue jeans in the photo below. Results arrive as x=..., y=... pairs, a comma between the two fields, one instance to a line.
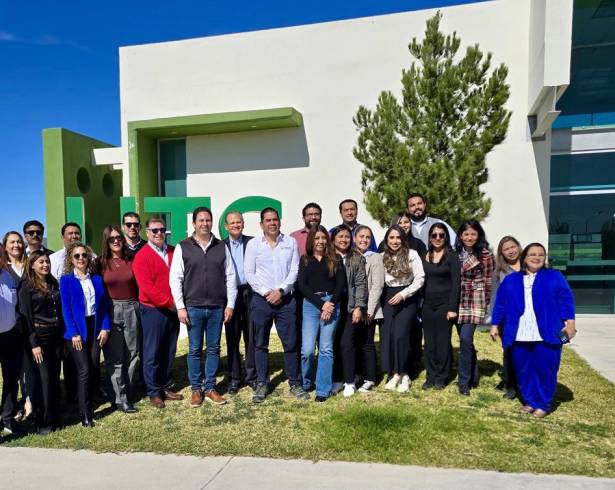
x=204, y=320
x=314, y=328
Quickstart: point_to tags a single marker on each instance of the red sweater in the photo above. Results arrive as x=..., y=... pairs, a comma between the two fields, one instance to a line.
x=152, y=276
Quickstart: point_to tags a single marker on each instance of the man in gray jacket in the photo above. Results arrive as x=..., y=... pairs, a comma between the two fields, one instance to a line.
x=421, y=223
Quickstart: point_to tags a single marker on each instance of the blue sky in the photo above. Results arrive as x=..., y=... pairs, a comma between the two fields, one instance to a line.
x=60, y=67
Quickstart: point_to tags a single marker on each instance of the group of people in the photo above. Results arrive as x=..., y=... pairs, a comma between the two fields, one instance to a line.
x=327, y=290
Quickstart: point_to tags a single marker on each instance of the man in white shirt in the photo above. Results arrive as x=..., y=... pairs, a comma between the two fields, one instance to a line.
x=271, y=264
x=203, y=285
x=71, y=232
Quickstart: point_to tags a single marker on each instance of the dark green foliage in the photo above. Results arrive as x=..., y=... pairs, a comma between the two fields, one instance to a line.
x=435, y=140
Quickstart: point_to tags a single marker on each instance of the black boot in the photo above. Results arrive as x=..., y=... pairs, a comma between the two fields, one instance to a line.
x=87, y=420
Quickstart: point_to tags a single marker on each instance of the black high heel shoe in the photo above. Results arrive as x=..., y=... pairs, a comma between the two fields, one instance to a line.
x=87, y=420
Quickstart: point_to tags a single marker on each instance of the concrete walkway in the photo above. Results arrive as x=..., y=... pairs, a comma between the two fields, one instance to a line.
x=46, y=468
x=595, y=342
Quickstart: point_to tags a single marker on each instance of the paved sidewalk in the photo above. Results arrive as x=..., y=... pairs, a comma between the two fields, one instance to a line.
x=595, y=342
x=46, y=468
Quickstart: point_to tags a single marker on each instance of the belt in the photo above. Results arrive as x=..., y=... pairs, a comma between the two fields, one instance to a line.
x=45, y=325
x=323, y=293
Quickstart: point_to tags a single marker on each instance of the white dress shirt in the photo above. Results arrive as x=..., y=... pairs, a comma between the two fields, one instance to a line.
x=528, y=326
x=89, y=294
x=176, y=275
x=57, y=263
x=414, y=283
x=269, y=268
x=162, y=252
x=8, y=301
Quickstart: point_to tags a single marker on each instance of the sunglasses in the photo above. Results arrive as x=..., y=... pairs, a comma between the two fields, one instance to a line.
x=34, y=232
x=117, y=238
x=435, y=236
x=80, y=256
x=155, y=231
x=132, y=225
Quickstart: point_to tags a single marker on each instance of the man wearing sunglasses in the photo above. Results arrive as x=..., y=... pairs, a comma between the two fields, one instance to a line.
x=158, y=316
x=131, y=226
x=33, y=231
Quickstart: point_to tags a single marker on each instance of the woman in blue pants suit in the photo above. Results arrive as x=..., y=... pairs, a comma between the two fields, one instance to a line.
x=87, y=320
x=535, y=307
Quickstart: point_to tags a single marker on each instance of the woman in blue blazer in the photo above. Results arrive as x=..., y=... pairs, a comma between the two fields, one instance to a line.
x=85, y=308
x=535, y=307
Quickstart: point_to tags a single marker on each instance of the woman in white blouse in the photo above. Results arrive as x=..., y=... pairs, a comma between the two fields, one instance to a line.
x=404, y=278
x=86, y=313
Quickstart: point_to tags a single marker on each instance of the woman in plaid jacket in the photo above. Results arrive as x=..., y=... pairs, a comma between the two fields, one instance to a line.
x=476, y=281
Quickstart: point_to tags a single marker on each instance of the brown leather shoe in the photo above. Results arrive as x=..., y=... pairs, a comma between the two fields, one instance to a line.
x=214, y=397
x=526, y=409
x=539, y=413
x=169, y=395
x=156, y=401
x=196, y=399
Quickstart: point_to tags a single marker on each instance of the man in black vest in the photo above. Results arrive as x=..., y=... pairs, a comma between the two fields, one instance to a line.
x=203, y=284
x=240, y=323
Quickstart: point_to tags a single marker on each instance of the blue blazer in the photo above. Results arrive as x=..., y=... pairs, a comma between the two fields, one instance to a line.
x=553, y=304
x=73, y=306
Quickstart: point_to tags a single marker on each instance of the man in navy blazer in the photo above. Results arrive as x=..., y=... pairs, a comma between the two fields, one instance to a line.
x=240, y=322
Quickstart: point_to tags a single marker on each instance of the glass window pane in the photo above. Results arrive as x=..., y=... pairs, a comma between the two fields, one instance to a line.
x=583, y=172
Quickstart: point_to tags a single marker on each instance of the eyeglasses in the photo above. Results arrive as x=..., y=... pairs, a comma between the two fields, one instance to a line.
x=34, y=232
x=155, y=231
x=116, y=238
x=435, y=236
x=80, y=256
x=132, y=225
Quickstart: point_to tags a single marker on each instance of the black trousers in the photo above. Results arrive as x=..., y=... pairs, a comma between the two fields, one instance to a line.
x=46, y=378
x=438, y=354
x=11, y=359
x=508, y=370
x=87, y=361
x=366, y=350
x=395, y=332
x=347, y=354
x=240, y=325
x=69, y=372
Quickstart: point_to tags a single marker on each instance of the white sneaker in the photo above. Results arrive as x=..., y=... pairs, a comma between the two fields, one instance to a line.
x=349, y=390
x=366, y=387
x=392, y=382
x=337, y=387
x=405, y=384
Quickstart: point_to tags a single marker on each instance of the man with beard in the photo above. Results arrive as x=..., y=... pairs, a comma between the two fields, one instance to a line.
x=312, y=214
x=417, y=208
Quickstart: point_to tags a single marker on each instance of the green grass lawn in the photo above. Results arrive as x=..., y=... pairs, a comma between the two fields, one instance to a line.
x=435, y=428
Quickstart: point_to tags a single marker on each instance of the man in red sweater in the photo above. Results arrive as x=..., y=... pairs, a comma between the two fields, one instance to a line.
x=158, y=315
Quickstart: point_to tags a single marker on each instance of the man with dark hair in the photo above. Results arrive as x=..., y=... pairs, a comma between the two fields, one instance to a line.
x=131, y=225
x=204, y=288
x=71, y=232
x=240, y=324
x=33, y=232
x=158, y=316
x=421, y=223
x=349, y=211
x=271, y=264
x=311, y=214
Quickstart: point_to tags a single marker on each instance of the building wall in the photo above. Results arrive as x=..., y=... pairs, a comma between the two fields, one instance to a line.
x=326, y=71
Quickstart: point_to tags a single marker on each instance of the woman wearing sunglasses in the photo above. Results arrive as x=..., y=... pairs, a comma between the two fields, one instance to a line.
x=441, y=302
x=85, y=308
x=122, y=349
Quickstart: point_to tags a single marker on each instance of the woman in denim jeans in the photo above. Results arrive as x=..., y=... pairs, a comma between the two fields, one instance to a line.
x=322, y=281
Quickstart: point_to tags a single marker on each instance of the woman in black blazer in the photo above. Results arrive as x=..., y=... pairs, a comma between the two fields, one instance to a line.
x=39, y=306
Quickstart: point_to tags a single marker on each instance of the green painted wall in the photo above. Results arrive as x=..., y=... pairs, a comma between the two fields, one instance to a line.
x=69, y=172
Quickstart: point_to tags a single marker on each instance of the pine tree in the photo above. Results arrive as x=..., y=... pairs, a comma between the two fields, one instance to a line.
x=436, y=140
